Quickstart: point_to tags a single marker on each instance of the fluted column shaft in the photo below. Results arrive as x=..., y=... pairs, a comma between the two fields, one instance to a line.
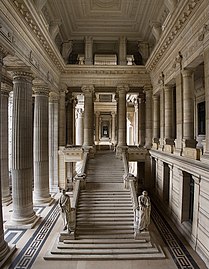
x=88, y=50
x=162, y=118
x=88, y=115
x=40, y=149
x=53, y=142
x=69, y=117
x=4, y=249
x=79, y=127
x=156, y=118
x=136, y=122
x=122, y=134
x=168, y=112
x=206, y=73
x=188, y=108
x=148, y=122
x=113, y=127
x=22, y=154
x=5, y=189
x=141, y=122
x=97, y=127
x=122, y=51
x=62, y=119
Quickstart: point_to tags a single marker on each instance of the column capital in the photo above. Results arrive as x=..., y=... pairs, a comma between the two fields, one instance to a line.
x=122, y=88
x=22, y=74
x=87, y=89
x=53, y=97
x=147, y=88
x=6, y=86
x=168, y=87
x=187, y=72
x=41, y=90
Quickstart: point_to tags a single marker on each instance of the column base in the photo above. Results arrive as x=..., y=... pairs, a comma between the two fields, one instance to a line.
x=12, y=249
x=66, y=235
x=7, y=200
x=120, y=150
x=23, y=224
x=43, y=201
x=144, y=235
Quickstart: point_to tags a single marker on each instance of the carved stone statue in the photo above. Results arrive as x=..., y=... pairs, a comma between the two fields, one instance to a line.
x=64, y=203
x=144, y=211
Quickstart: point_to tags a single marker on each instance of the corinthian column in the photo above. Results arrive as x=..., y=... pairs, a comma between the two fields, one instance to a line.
x=148, y=139
x=97, y=128
x=122, y=90
x=113, y=128
x=168, y=115
x=40, y=149
x=69, y=118
x=22, y=154
x=188, y=106
x=4, y=248
x=88, y=91
x=79, y=127
x=5, y=189
x=62, y=119
x=156, y=119
x=53, y=142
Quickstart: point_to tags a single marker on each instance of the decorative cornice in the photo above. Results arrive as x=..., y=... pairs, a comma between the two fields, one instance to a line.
x=25, y=13
x=173, y=32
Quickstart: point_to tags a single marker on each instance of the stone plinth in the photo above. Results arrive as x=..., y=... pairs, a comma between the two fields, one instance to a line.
x=191, y=153
x=65, y=235
x=144, y=235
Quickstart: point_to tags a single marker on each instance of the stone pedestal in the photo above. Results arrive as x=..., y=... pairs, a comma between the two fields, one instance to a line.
x=144, y=235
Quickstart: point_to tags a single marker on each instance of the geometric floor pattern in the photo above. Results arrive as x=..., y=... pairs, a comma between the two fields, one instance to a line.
x=28, y=254
x=30, y=251
x=179, y=253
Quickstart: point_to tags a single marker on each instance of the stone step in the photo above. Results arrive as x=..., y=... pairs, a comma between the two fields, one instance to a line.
x=102, y=236
x=103, y=246
x=105, y=241
x=103, y=207
x=102, y=224
x=103, y=219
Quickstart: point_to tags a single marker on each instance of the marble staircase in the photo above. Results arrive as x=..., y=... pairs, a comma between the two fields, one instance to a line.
x=105, y=218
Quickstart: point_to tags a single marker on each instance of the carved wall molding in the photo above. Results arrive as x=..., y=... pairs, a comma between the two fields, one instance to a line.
x=25, y=14
x=173, y=32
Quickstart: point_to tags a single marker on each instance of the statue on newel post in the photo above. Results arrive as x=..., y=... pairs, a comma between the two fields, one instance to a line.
x=67, y=215
x=143, y=217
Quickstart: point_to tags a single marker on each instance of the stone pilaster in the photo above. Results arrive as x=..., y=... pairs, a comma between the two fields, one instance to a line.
x=6, y=87
x=53, y=141
x=4, y=248
x=69, y=118
x=62, y=118
x=88, y=91
x=88, y=50
x=113, y=128
x=206, y=74
x=148, y=122
x=97, y=126
x=168, y=115
x=22, y=155
x=122, y=51
x=141, y=122
x=79, y=127
x=122, y=90
x=179, y=115
x=162, y=118
x=156, y=120
x=41, y=146
x=136, y=122
x=188, y=109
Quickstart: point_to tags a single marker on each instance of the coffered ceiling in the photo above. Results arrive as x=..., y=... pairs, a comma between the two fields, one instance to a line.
x=104, y=19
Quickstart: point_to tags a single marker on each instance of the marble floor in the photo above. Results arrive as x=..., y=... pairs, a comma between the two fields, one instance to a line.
x=32, y=245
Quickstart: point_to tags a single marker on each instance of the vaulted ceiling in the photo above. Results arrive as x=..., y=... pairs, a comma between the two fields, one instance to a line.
x=104, y=19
